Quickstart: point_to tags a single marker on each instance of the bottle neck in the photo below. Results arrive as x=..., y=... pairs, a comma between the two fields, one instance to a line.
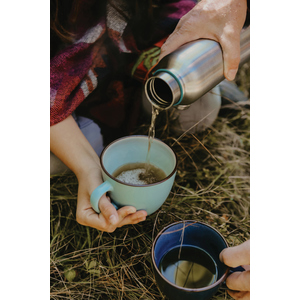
x=163, y=89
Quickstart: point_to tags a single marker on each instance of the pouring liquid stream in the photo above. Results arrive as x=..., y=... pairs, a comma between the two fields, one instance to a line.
x=143, y=173
x=151, y=135
x=151, y=132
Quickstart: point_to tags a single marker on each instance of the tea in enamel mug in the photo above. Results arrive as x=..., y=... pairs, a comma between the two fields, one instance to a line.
x=188, y=267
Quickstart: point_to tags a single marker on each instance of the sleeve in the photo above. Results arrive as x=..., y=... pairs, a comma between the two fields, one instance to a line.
x=72, y=75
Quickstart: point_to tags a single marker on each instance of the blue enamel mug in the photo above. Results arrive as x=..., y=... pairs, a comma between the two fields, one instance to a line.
x=134, y=149
x=195, y=235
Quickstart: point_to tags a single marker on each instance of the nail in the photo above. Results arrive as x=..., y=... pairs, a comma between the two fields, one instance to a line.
x=231, y=74
x=131, y=210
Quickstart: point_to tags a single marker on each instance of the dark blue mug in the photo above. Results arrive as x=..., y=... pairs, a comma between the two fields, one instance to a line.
x=201, y=240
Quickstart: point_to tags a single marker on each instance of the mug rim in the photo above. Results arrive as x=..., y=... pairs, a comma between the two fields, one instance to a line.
x=219, y=281
x=137, y=185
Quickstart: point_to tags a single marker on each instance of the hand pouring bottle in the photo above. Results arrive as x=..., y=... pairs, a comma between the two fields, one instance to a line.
x=189, y=72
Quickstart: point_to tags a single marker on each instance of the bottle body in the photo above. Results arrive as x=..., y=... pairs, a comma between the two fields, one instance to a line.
x=188, y=73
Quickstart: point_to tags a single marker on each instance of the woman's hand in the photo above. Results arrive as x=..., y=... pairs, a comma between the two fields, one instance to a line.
x=109, y=218
x=70, y=145
x=220, y=21
x=238, y=282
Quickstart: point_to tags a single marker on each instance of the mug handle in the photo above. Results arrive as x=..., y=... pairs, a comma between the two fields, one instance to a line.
x=98, y=193
x=232, y=270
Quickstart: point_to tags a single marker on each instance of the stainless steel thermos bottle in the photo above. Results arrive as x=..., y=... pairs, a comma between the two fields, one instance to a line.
x=186, y=74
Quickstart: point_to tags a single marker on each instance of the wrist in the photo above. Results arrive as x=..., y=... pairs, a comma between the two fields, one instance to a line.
x=89, y=164
x=89, y=179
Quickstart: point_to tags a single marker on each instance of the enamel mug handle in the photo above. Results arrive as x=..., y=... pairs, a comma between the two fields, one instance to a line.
x=237, y=269
x=98, y=193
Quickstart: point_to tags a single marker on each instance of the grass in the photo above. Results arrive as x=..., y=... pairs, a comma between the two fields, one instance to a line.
x=212, y=185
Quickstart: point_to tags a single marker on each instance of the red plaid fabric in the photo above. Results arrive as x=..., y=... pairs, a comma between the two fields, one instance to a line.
x=98, y=75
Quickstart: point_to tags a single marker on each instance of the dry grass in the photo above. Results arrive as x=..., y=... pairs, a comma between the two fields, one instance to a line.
x=212, y=185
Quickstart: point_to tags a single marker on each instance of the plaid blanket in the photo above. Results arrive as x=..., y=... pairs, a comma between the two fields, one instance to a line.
x=100, y=73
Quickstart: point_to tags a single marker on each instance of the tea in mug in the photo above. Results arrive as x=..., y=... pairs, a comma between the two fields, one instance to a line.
x=139, y=173
x=189, y=267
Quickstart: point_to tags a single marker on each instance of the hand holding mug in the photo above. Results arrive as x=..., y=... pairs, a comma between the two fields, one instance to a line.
x=196, y=270
x=127, y=152
x=238, y=282
x=70, y=145
x=109, y=219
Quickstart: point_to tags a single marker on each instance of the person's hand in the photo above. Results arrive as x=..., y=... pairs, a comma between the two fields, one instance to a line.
x=238, y=282
x=221, y=21
x=109, y=218
x=70, y=145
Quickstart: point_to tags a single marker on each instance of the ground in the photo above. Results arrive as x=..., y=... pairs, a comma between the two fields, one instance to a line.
x=212, y=185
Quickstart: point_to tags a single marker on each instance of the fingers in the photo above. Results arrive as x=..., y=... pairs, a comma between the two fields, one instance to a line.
x=108, y=210
x=109, y=218
x=105, y=222
x=174, y=41
x=123, y=216
x=239, y=295
x=123, y=212
x=229, y=41
x=230, y=44
x=95, y=220
x=127, y=215
x=133, y=218
x=239, y=281
x=184, y=32
x=236, y=256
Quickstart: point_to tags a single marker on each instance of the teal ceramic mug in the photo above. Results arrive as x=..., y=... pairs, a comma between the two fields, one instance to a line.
x=134, y=149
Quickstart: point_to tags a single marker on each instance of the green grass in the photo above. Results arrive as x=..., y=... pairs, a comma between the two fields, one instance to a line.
x=212, y=185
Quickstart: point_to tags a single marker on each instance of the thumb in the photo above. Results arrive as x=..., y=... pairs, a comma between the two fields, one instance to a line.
x=108, y=210
x=236, y=256
x=231, y=56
